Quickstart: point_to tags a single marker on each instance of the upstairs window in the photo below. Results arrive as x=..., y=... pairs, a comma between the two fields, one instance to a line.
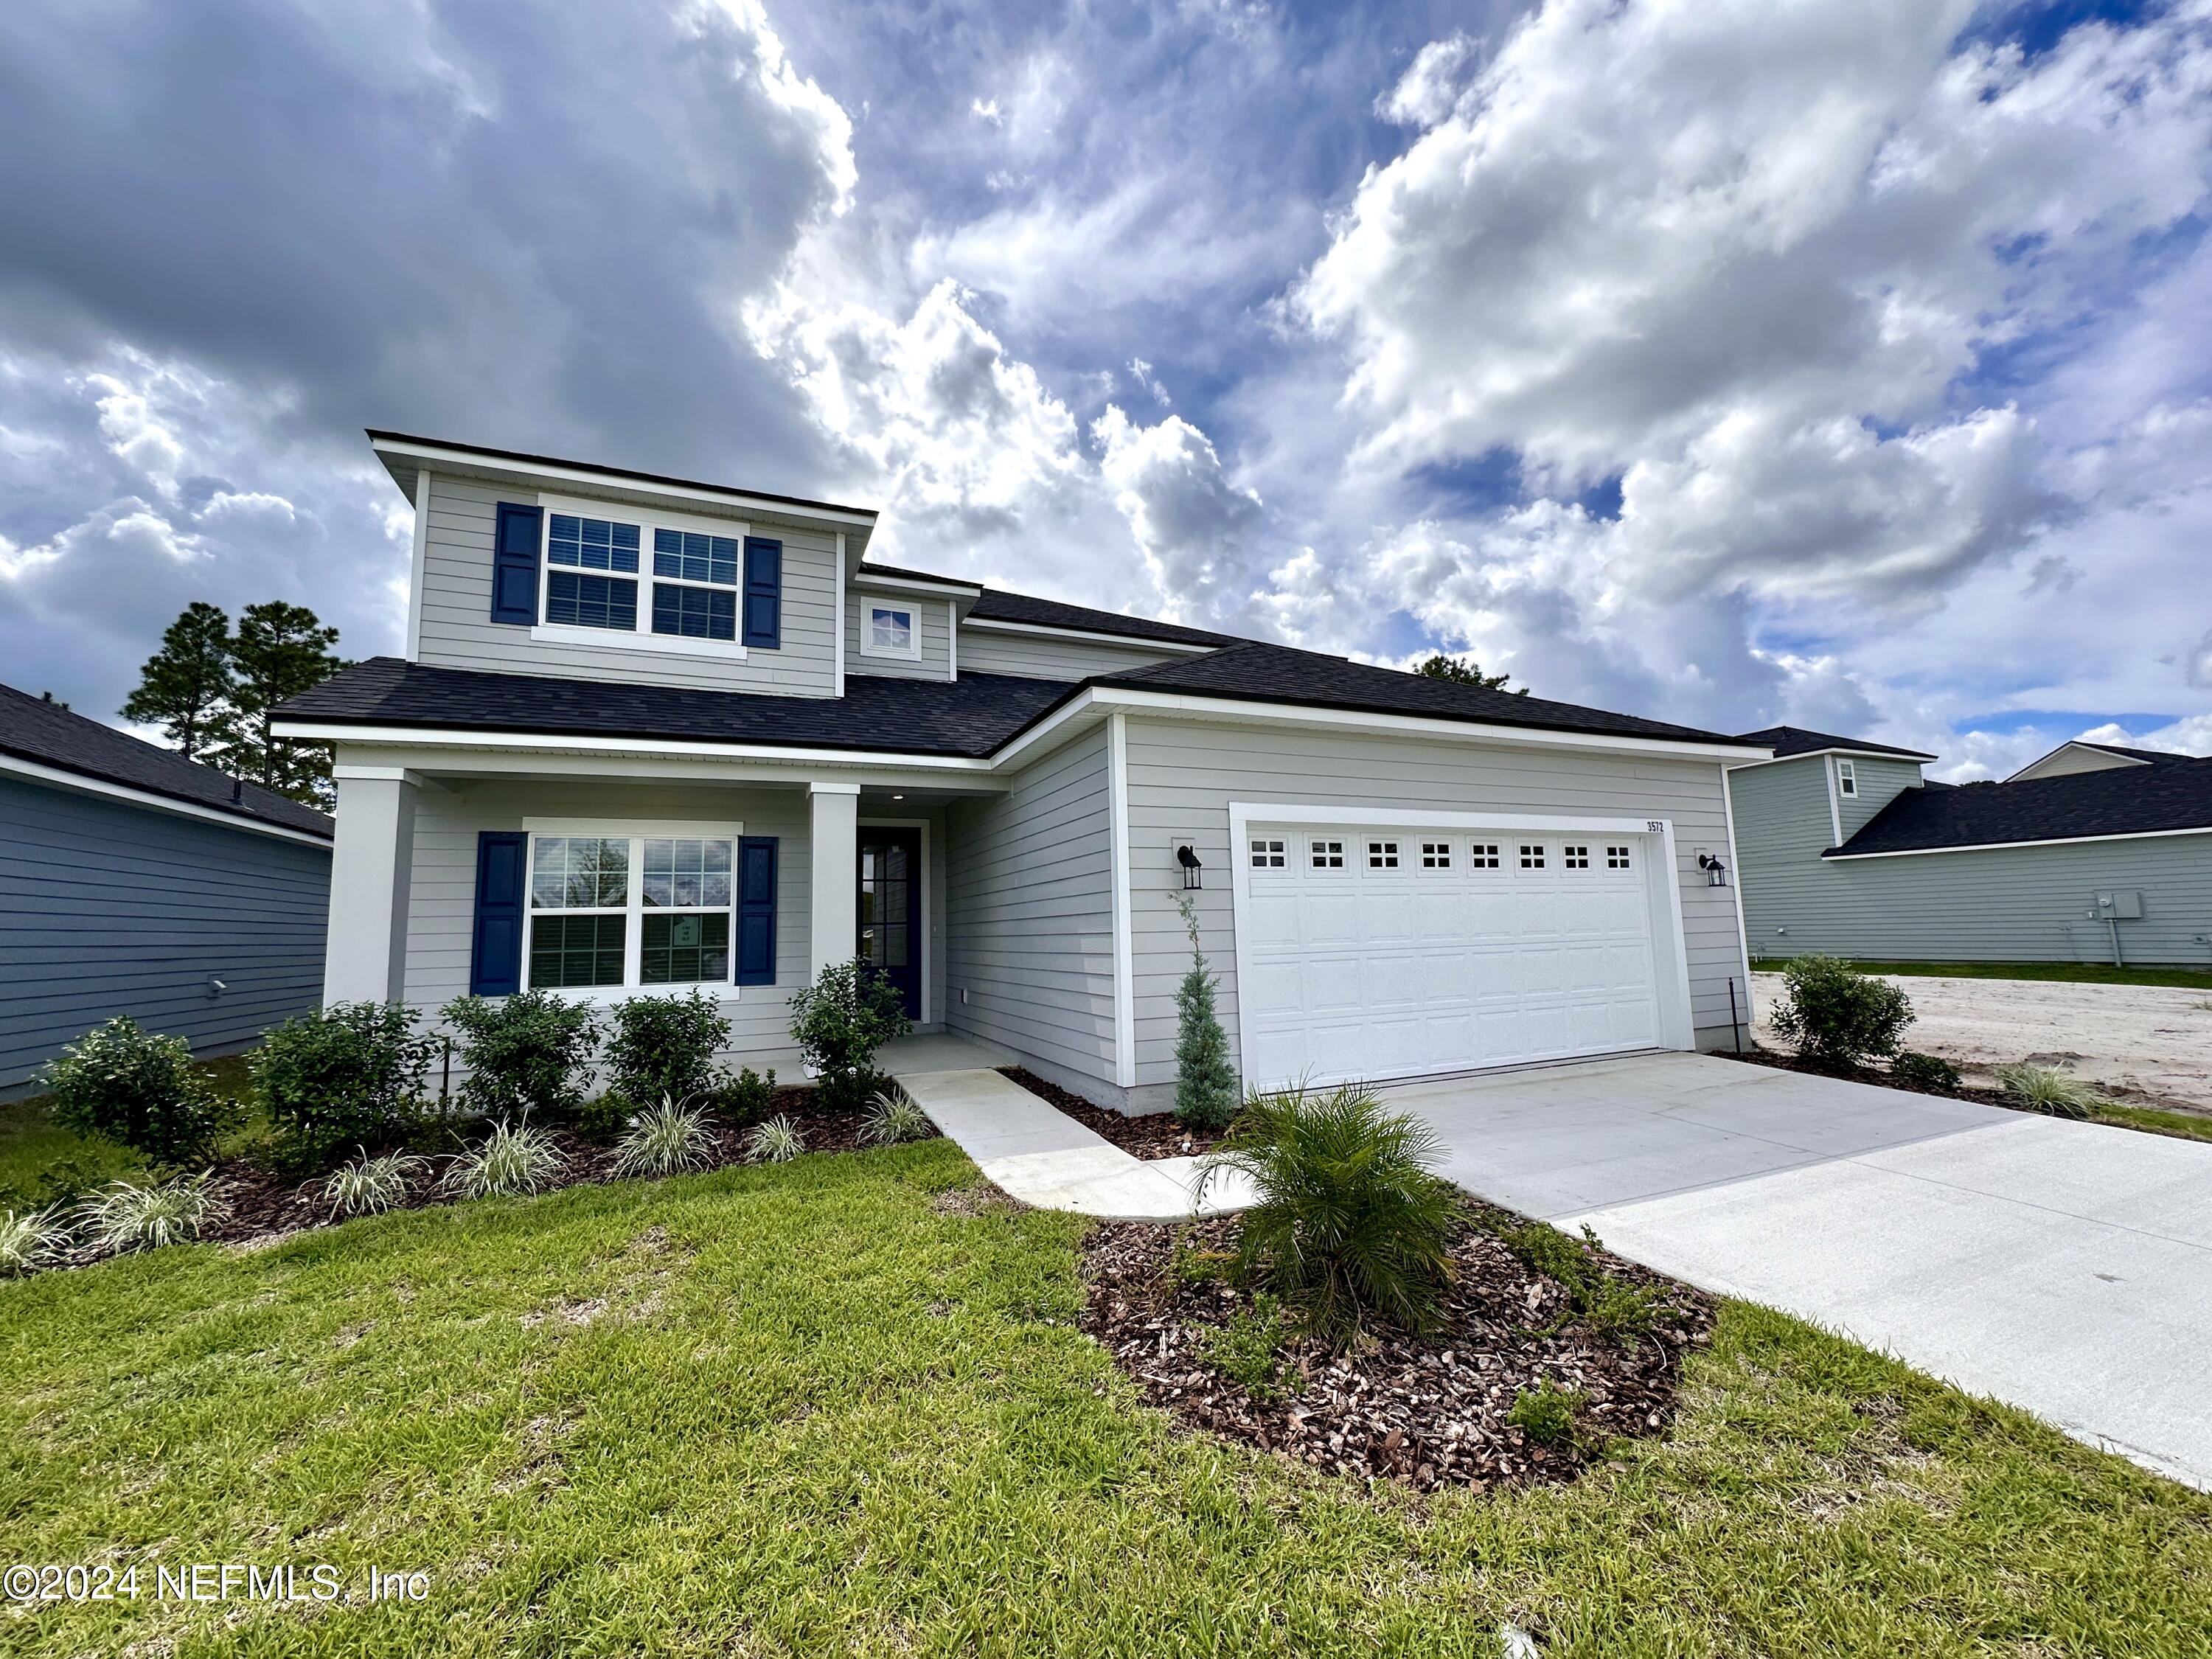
x=699, y=599
x=889, y=630
x=714, y=589
x=1847, y=778
x=575, y=544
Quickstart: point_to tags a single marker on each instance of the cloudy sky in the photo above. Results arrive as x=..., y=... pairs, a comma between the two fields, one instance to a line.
x=1846, y=362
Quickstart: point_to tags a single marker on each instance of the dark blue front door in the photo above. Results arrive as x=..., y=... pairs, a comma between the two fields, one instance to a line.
x=891, y=909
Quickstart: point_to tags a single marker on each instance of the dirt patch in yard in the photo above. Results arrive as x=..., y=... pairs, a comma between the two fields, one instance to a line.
x=2148, y=1044
x=1427, y=1410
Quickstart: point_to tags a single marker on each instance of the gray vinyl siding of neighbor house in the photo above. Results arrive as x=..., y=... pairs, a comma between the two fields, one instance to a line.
x=1182, y=776
x=1043, y=657
x=1031, y=909
x=2028, y=903
x=934, y=618
x=458, y=632
x=110, y=908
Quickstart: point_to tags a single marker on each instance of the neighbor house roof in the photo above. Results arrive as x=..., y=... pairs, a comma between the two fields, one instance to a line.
x=2124, y=756
x=2128, y=800
x=998, y=606
x=40, y=729
x=1789, y=741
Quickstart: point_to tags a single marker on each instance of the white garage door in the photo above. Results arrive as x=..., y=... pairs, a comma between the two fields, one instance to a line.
x=1372, y=953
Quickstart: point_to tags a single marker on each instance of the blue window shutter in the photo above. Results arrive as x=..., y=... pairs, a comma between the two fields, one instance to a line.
x=763, y=592
x=515, y=565
x=495, y=955
x=756, y=910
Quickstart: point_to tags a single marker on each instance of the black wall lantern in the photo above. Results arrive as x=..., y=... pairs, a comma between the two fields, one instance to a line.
x=1194, y=873
x=1715, y=872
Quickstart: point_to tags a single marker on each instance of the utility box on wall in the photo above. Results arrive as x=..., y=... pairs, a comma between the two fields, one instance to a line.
x=2120, y=905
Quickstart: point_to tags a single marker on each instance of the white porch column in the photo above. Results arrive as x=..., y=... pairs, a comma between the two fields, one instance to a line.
x=834, y=849
x=365, y=958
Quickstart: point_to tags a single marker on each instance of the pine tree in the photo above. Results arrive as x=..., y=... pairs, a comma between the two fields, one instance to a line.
x=1440, y=667
x=1206, y=1083
x=281, y=650
x=185, y=687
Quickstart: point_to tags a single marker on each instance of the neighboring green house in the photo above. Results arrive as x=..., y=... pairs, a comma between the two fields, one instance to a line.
x=2091, y=853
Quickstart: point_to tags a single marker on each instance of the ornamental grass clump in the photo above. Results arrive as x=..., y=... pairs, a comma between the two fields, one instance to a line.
x=147, y=1215
x=2056, y=1094
x=893, y=1116
x=32, y=1239
x=663, y=1140
x=1350, y=1225
x=776, y=1140
x=370, y=1186
x=513, y=1160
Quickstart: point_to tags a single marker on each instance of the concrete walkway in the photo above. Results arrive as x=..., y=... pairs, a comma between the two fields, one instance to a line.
x=1032, y=1151
x=2063, y=1268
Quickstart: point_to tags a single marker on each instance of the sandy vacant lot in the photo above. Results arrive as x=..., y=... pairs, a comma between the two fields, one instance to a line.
x=2149, y=1043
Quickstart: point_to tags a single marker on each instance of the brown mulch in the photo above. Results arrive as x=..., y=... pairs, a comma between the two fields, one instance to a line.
x=1780, y=1061
x=1430, y=1411
x=1155, y=1134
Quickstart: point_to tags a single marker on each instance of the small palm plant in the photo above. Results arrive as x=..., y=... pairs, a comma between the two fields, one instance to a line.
x=1349, y=1223
x=893, y=1116
x=132, y=1216
x=31, y=1239
x=664, y=1139
x=2059, y=1094
x=775, y=1140
x=514, y=1160
x=369, y=1186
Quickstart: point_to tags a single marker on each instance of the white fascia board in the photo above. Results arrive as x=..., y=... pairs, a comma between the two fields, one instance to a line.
x=61, y=778
x=2001, y=846
x=419, y=566
x=907, y=584
x=591, y=478
x=1087, y=635
x=1773, y=759
x=1172, y=705
x=1244, y=812
x=430, y=765
x=460, y=742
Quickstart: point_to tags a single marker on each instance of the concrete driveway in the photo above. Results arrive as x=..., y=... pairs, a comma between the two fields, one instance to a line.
x=2064, y=1267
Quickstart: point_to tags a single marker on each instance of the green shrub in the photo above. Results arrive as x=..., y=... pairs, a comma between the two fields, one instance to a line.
x=777, y=1140
x=1206, y=1083
x=148, y=1215
x=664, y=1047
x=30, y=1240
x=512, y=1160
x=1245, y=1349
x=1546, y=1413
x=138, y=1088
x=746, y=1098
x=2057, y=1094
x=664, y=1139
x=1349, y=1223
x=1924, y=1070
x=57, y=1185
x=839, y=1022
x=892, y=1116
x=349, y=1074
x=369, y=1186
x=604, y=1117
x=524, y=1053
x=1838, y=1016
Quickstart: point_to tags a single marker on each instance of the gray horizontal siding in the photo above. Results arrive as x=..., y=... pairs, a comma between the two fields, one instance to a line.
x=107, y=908
x=1030, y=912
x=932, y=616
x=1880, y=781
x=2006, y=904
x=458, y=632
x=1182, y=776
x=1039, y=657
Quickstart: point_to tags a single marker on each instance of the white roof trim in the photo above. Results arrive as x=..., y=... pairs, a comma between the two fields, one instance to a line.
x=61, y=778
x=909, y=585
x=2098, y=749
x=1997, y=846
x=1849, y=754
x=463, y=738
x=1087, y=635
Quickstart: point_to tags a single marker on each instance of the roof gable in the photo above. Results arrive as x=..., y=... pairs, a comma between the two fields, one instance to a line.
x=2128, y=801
x=1787, y=742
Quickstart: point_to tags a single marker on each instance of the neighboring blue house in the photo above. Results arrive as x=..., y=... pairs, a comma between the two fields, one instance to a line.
x=2091, y=853
x=133, y=881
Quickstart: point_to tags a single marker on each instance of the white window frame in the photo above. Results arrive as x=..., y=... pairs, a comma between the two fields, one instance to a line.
x=1270, y=853
x=640, y=637
x=636, y=832
x=906, y=608
x=1382, y=855
x=1486, y=855
x=1436, y=855
x=1531, y=855
x=1574, y=855
x=1847, y=779
x=1617, y=857
x=1320, y=851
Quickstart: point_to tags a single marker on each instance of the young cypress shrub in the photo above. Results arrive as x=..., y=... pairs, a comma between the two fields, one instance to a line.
x=1206, y=1083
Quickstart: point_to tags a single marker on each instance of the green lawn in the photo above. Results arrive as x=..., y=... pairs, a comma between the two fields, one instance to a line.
x=819, y=1408
x=2081, y=972
x=31, y=1144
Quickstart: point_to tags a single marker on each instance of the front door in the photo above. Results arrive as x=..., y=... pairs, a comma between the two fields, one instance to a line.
x=891, y=909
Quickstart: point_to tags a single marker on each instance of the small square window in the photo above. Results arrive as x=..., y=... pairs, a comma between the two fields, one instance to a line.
x=1382, y=854
x=1482, y=856
x=1532, y=855
x=889, y=630
x=1266, y=854
x=1575, y=857
x=1436, y=855
x=1328, y=855
x=1616, y=858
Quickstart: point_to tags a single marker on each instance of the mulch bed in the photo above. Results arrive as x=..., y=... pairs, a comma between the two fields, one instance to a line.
x=1780, y=1061
x=1429, y=1412
x=1155, y=1134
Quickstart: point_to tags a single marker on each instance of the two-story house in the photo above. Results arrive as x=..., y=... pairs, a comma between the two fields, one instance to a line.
x=650, y=733
x=2090, y=854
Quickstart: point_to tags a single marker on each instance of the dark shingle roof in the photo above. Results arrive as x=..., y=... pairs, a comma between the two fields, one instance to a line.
x=1788, y=740
x=2153, y=757
x=867, y=567
x=36, y=730
x=1277, y=673
x=998, y=606
x=969, y=716
x=2128, y=800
